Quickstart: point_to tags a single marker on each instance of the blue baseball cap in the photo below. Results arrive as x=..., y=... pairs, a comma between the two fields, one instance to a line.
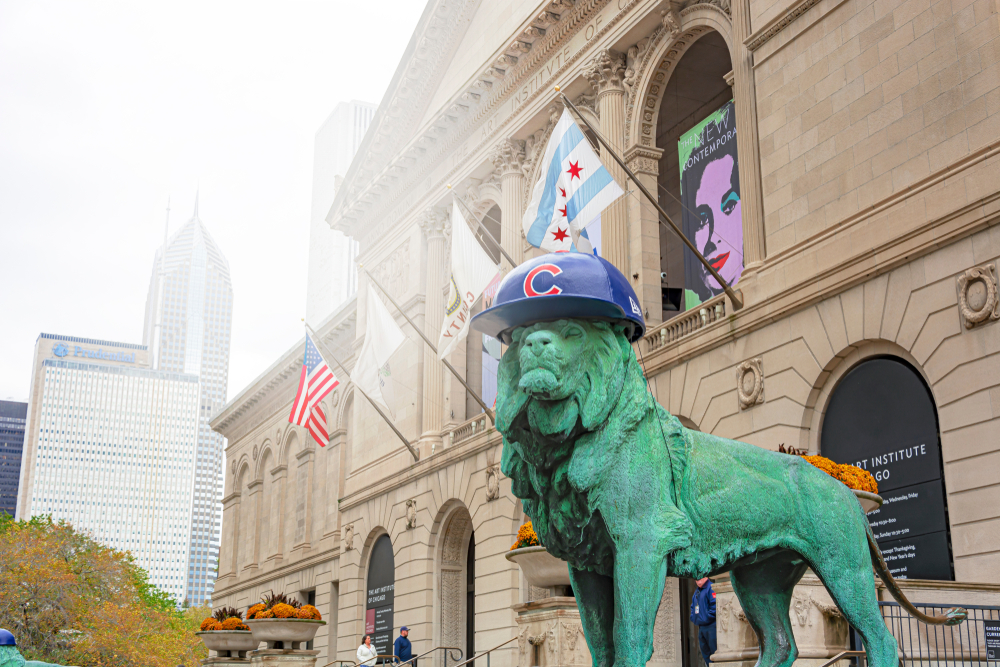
x=561, y=285
x=6, y=638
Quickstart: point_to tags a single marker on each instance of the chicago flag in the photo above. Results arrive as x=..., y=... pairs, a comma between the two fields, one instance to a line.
x=572, y=189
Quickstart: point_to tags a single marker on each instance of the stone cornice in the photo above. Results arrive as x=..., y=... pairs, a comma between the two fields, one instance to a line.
x=390, y=209
x=427, y=466
x=326, y=556
x=778, y=23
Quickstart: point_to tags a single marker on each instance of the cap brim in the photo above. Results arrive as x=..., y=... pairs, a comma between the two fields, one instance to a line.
x=499, y=321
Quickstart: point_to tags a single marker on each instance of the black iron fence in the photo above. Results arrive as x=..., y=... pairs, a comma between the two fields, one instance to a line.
x=922, y=645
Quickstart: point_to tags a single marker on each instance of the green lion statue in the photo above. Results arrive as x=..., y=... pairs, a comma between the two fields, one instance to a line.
x=618, y=488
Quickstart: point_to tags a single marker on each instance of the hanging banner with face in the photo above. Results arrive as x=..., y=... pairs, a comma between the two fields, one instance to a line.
x=710, y=196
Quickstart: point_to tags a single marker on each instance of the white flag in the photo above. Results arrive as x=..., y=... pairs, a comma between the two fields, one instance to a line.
x=372, y=373
x=573, y=188
x=471, y=272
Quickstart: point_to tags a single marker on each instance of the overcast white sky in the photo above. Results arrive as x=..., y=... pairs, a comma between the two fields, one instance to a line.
x=107, y=108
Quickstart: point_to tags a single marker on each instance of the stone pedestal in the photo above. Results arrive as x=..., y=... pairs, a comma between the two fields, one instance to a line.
x=549, y=634
x=819, y=629
x=221, y=661
x=285, y=657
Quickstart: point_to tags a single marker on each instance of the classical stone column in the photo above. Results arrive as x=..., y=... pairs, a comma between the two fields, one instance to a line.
x=255, y=487
x=303, y=503
x=605, y=73
x=644, y=233
x=433, y=224
x=277, y=546
x=231, y=533
x=508, y=157
x=747, y=144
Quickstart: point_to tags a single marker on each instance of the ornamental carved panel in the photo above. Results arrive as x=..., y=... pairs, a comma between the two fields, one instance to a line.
x=394, y=270
x=750, y=382
x=411, y=514
x=978, y=301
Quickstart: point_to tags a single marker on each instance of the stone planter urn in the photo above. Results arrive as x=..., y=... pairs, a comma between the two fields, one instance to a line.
x=869, y=501
x=540, y=568
x=289, y=632
x=230, y=646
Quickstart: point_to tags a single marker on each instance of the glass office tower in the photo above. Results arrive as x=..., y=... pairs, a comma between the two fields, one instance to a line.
x=110, y=448
x=12, y=418
x=187, y=329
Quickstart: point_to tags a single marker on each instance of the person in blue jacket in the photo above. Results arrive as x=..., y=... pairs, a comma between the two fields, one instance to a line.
x=703, y=615
x=402, y=649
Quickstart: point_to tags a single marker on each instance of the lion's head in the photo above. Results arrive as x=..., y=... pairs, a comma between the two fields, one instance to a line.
x=566, y=374
x=569, y=392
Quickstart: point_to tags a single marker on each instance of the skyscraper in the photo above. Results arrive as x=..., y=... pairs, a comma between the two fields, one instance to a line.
x=12, y=417
x=333, y=278
x=187, y=329
x=110, y=447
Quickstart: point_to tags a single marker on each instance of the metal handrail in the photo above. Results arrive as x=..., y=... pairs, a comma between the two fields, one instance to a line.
x=486, y=653
x=408, y=662
x=841, y=655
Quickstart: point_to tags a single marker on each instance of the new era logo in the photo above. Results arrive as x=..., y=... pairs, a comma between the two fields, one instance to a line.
x=635, y=307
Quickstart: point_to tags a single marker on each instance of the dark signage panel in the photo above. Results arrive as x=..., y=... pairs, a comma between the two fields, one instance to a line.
x=381, y=595
x=881, y=418
x=919, y=557
x=915, y=510
x=992, y=631
x=383, y=638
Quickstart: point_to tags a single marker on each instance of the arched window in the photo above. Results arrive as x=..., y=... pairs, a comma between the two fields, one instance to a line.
x=381, y=594
x=881, y=417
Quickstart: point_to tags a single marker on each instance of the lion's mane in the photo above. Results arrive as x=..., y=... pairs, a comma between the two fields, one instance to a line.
x=556, y=451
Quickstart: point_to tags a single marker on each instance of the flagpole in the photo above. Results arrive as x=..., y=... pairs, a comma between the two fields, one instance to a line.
x=483, y=227
x=737, y=301
x=433, y=347
x=326, y=354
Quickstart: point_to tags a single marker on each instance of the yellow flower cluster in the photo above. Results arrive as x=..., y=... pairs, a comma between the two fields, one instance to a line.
x=309, y=612
x=209, y=624
x=526, y=537
x=233, y=623
x=852, y=476
x=254, y=610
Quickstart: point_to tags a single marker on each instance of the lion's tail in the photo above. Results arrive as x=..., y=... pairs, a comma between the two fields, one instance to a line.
x=953, y=616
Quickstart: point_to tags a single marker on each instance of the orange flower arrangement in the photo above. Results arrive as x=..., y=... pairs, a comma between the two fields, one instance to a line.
x=309, y=612
x=526, y=537
x=226, y=618
x=852, y=476
x=274, y=605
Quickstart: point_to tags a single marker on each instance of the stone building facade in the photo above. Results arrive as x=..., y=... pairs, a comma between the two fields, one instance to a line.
x=868, y=138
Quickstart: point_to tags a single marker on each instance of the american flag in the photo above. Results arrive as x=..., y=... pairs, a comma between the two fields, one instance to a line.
x=316, y=381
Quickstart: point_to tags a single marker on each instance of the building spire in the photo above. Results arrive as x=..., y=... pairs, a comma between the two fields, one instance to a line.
x=197, y=194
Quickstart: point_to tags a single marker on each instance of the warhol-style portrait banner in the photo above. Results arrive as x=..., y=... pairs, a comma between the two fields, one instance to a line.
x=710, y=196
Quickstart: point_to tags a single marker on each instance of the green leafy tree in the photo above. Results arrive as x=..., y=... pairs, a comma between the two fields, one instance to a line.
x=70, y=600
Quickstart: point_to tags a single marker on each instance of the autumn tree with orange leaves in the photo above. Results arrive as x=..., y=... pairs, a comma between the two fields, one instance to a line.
x=70, y=600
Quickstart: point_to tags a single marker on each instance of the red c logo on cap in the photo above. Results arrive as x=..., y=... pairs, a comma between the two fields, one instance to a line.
x=552, y=269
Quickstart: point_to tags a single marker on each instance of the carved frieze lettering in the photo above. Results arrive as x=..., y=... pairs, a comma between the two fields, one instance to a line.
x=750, y=382
x=978, y=300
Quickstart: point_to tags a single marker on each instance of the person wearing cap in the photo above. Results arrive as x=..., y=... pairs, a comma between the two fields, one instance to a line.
x=402, y=649
x=10, y=656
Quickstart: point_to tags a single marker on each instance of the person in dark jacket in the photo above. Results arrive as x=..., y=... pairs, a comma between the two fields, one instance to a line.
x=703, y=615
x=402, y=649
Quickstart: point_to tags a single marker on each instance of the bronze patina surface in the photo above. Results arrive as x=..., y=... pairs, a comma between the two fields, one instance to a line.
x=618, y=488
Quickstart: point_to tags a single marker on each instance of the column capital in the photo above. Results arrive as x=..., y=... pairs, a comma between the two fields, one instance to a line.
x=606, y=72
x=644, y=160
x=508, y=157
x=434, y=223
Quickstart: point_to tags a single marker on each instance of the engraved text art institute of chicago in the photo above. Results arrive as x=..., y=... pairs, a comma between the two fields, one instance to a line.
x=836, y=161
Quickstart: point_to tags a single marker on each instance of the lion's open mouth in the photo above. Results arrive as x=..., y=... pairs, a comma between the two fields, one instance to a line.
x=539, y=381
